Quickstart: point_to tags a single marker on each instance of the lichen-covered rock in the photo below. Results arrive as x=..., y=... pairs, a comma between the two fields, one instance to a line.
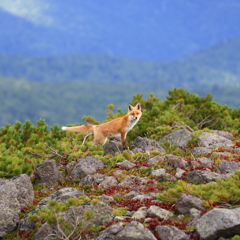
x=219, y=222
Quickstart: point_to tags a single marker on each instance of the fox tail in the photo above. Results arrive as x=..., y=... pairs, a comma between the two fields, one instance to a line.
x=80, y=129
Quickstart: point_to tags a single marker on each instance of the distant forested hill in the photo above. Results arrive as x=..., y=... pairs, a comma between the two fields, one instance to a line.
x=62, y=89
x=216, y=66
x=67, y=102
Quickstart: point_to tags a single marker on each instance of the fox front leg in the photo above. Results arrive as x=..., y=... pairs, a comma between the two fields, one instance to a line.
x=123, y=140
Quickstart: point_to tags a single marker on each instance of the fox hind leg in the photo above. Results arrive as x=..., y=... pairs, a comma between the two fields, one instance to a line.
x=99, y=139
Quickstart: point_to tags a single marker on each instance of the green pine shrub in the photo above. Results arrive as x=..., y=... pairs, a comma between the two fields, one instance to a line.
x=23, y=145
x=223, y=190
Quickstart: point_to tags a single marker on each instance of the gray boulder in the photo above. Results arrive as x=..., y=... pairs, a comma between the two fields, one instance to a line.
x=131, y=195
x=47, y=173
x=186, y=202
x=178, y=137
x=171, y=233
x=108, y=182
x=102, y=214
x=140, y=213
x=25, y=189
x=8, y=220
x=179, y=172
x=106, y=199
x=156, y=211
x=92, y=179
x=129, y=181
x=213, y=140
x=113, y=146
x=227, y=166
x=126, y=164
x=8, y=195
x=201, y=150
x=206, y=162
x=110, y=232
x=204, y=176
x=134, y=231
x=161, y=175
x=176, y=162
x=225, y=134
x=14, y=194
x=155, y=160
x=87, y=165
x=61, y=196
x=219, y=222
x=146, y=145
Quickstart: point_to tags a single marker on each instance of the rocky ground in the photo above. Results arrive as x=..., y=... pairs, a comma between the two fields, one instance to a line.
x=124, y=199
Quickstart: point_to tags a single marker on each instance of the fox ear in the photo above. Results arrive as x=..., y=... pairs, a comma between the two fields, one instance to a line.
x=138, y=106
x=130, y=107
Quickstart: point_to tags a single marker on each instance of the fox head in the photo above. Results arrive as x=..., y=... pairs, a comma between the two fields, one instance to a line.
x=134, y=112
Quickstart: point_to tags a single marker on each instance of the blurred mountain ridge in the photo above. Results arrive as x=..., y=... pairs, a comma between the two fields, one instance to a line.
x=146, y=30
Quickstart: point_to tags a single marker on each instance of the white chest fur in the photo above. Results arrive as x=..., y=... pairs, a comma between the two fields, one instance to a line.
x=132, y=123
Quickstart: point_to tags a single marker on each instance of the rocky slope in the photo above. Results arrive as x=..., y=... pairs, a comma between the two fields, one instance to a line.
x=133, y=199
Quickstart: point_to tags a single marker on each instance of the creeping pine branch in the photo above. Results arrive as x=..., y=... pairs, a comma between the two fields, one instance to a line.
x=56, y=153
x=60, y=232
x=179, y=103
x=204, y=121
x=182, y=125
x=40, y=155
x=86, y=138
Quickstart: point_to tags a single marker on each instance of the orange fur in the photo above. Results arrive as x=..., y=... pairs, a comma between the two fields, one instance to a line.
x=121, y=125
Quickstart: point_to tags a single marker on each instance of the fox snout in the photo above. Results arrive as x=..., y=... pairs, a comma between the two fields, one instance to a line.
x=134, y=118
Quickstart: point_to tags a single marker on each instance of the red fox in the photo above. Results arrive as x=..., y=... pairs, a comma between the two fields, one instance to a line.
x=120, y=125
